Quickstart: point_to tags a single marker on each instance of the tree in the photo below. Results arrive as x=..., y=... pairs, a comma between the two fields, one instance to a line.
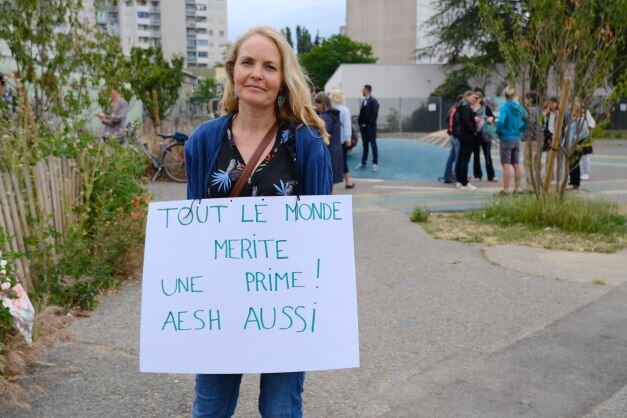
x=56, y=53
x=287, y=32
x=207, y=88
x=150, y=72
x=561, y=40
x=322, y=61
x=303, y=40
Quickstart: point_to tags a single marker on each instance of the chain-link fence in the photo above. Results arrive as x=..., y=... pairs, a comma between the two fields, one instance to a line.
x=429, y=114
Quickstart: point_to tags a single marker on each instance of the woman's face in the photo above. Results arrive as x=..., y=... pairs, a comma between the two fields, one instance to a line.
x=319, y=107
x=257, y=73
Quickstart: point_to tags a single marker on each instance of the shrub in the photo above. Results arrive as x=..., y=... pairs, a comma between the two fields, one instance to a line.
x=420, y=215
x=573, y=213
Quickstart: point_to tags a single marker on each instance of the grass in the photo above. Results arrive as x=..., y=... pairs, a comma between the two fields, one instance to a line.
x=575, y=224
x=420, y=215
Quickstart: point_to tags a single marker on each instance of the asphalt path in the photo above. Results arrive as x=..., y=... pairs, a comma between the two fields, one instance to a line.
x=446, y=330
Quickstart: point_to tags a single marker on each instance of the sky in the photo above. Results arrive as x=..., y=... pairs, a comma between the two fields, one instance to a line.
x=325, y=16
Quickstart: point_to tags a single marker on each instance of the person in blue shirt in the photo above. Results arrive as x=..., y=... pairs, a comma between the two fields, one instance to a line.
x=511, y=123
x=265, y=97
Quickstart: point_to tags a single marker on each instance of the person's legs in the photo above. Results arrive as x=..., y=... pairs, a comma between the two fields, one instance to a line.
x=515, y=161
x=585, y=167
x=452, y=155
x=476, y=167
x=365, y=140
x=507, y=175
x=281, y=395
x=575, y=171
x=347, y=177
x=216, y=395
x=373, y=143
x=487, y=154
x=461, y=166
x=505, y=152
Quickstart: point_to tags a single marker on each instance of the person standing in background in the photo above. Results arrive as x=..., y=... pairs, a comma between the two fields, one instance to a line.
x=509, y=127
x=331, y=118
x=338, y=101
x=368, y=114
x=465, y=130
x=115, y=122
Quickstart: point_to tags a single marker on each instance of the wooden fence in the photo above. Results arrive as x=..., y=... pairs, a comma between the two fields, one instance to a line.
x=34, y=200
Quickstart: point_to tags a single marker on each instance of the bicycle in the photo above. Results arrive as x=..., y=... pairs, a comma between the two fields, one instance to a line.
x=171, y=158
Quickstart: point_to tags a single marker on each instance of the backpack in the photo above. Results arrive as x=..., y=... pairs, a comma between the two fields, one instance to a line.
x=451, y=115
x=486, y=130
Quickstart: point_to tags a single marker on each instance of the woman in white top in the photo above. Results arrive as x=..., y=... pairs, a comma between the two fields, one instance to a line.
x=339, y=102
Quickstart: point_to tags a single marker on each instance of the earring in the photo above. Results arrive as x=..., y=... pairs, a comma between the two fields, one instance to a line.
x=280, y=100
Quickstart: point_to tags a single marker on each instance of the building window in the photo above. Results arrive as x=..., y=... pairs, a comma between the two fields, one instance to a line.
x=143, y=15
x=202, y=42
x=202, y=55
x=210, y=32
x=221, y=33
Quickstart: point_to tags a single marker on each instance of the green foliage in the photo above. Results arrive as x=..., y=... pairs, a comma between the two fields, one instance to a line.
x=303, y=40
x=460, y=38
x=55, y=51
x=571, y=214
x=150, y=72
x=207, y=88
x=455, y=83
x=420, y=215
x=287, y=32
x=322, y=61
x=90, y=255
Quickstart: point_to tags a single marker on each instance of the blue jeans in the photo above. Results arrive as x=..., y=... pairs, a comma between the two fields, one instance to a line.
x=452, y=157
x=279, y=396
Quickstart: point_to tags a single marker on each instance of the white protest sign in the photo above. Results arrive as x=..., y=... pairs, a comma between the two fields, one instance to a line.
x=249, y=285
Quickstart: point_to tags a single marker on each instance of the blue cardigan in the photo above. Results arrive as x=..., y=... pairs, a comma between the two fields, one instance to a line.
x=203, y=148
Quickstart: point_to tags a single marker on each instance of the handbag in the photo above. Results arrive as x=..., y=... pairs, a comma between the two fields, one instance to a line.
x=252, y=163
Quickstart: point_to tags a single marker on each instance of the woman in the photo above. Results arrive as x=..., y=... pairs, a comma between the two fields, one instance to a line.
x=339, y=102
x=578, y=132
x=485, y=124
x=512, y=123
x=331, y=118
x=266, y=96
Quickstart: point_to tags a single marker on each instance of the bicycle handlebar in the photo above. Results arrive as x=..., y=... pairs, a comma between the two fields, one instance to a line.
x=177, y=136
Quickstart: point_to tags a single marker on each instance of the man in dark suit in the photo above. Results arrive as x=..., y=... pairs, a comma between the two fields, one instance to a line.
x=368, y=126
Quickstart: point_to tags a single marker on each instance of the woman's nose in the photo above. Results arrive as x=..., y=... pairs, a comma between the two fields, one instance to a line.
x=256, y=72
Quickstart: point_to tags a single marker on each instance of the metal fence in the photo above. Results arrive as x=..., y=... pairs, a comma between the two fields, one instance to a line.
x=429, y=114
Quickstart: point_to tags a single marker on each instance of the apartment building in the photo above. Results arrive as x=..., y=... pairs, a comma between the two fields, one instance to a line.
x=395, y=29
x=195, y=29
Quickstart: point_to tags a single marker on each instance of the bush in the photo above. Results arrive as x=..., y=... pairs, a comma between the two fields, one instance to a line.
x=573, y=213
x=420, y=215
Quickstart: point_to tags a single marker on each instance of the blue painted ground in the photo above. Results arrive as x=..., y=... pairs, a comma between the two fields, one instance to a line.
x=405, y=159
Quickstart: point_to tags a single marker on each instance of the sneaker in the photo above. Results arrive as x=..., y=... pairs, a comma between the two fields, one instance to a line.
x=585, y=177
x=458, y=185
x=359, y=166
x=468, y=187
x=375, y=167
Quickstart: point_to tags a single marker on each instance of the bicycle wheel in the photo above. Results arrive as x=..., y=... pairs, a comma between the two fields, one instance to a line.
x=173, y=160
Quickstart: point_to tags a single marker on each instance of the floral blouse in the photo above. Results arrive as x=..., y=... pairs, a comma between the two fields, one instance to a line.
x=275, y=175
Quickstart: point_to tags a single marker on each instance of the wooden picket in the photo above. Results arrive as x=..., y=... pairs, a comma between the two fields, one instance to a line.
x=35, y=199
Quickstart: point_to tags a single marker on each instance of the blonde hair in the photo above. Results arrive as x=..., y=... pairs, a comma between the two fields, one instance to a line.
x=509, y=92
x=296, y=107
x=337, y=97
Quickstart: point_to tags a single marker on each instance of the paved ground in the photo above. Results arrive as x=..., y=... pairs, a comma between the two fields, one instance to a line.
x=446, y=329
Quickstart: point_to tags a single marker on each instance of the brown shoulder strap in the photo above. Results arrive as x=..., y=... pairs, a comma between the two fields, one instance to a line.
x=252, y=163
